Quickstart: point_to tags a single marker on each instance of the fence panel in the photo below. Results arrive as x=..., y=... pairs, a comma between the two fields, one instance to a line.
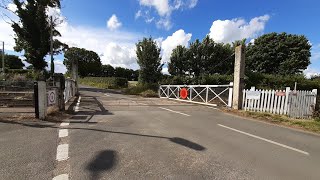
x=201, y=94
x=298, y=104
x=70, y=89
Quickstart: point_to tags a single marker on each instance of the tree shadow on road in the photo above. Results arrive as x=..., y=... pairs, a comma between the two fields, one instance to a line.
x=103, y=161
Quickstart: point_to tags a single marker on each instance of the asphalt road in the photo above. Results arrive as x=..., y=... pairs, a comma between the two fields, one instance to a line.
x=27, y=150
x=114, y=136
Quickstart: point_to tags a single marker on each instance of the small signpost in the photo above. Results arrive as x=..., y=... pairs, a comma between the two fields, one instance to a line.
x=52, y=97
x=280, y=93
x=253, y=95
x=183, y=93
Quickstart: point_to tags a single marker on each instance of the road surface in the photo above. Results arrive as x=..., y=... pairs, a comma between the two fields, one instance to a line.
x=114, y=136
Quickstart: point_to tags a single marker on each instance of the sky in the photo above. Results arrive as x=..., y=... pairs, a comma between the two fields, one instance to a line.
x=113, y=27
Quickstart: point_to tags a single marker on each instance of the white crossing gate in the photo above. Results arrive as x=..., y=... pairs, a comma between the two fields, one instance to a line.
x=297, y=104
x=213, y=95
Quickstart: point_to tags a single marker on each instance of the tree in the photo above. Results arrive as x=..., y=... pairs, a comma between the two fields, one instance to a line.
x=12, y=62
x=278, y=54
x=89, y=63
x=107, y=71
x=195, y=62
x=32, y=31
x=178, y=61
x=149, y=60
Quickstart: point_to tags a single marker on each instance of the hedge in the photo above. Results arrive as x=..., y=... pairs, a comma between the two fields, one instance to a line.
x=105, y=82
x=260, y=81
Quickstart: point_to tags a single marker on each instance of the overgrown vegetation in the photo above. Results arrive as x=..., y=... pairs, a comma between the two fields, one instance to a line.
x=105, y=82
x=309, y=125
x=146, y=90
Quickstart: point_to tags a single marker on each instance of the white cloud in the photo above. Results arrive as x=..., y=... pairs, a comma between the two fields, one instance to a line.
x=228, y=31
x=314, y=67
x=164, y=23
x=59, y=67
x=309, y=72
x=162, y=6
x=177, y=38
x=165, y=70
x=164, y=9
x=12, y=7
x=113, y=23
x=120, y=56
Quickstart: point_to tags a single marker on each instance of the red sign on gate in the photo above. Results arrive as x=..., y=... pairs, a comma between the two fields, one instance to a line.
x=183, y=93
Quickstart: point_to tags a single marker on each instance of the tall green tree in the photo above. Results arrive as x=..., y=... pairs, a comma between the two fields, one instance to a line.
x=89, y=63
x=149, y=60
x=32, y=31
x=107, y=71
x=178, y=64
x=12, y=62
x=276, y=53
x=195, y=61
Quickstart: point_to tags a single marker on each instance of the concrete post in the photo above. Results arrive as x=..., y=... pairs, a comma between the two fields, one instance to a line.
x=74, y=73
x=238, y=82
x=42, y=95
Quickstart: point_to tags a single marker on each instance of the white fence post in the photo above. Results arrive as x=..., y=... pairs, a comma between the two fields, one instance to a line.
x=207, y=93
x=230, y=95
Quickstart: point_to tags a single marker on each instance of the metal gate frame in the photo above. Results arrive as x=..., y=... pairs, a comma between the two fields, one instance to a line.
x=166, y=91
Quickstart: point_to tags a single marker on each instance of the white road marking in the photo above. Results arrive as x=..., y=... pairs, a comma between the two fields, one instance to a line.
x=143, y=104
x=61, y=177
x=266, y=140
x=213, y=108
x=62, y=152
x=77, y=105
x=107, y=94
x=64, y=124
x=174, y=111
x=63, y=133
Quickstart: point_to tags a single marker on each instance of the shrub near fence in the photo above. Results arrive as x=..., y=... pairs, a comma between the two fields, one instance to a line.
x=105, y=82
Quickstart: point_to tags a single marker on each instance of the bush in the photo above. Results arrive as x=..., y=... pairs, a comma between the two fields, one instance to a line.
x=270, y=81
x=105, y=82
x=140, y=88
x=203, y=79
x=149, y=93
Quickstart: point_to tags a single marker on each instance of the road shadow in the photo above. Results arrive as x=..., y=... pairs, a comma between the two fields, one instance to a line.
x=187, y=143
x=88, y=108
x=103, y=161
x=176, y=140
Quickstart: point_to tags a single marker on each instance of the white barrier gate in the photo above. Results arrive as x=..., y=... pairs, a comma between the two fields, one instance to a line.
x=212, y=95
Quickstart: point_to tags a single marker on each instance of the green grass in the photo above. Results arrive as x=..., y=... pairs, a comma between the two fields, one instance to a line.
x=312, y=125
x=105, y=82
x=142, y=90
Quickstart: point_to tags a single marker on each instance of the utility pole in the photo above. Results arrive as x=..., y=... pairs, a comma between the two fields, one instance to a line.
x=3, y=71
x=51, y=46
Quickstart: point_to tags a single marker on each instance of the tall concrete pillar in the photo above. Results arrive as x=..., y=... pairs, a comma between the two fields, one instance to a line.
x=42, y=99
x=238, y=82
x=74, y=73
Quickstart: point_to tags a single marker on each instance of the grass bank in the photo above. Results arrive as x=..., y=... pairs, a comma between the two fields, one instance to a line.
x=312, y=125
x=145, y=90
x=105, y=82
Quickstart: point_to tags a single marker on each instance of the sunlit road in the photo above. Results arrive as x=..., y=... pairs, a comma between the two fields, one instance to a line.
x=115, y=136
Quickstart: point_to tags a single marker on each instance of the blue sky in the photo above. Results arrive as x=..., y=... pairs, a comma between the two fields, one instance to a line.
x=112, y=27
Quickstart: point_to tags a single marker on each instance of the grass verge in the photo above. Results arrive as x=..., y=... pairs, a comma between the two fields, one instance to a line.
x=142, y=90
x=312, y=125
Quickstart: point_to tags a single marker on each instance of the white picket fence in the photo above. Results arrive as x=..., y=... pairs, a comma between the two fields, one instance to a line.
x=298, y=104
